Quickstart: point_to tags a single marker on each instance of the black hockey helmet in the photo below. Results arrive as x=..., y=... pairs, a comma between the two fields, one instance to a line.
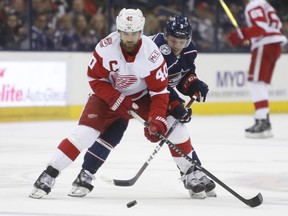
x=179, y=27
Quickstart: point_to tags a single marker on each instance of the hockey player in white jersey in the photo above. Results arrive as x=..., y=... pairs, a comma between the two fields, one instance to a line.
x=179, y=53
x=264, y=33
x=126, y=72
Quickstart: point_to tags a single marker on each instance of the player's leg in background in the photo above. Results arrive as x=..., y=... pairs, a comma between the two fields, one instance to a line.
x=198, y=184
x=262, y=65
x=95, y=156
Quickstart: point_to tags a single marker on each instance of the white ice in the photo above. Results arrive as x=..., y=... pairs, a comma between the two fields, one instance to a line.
x=248, y=166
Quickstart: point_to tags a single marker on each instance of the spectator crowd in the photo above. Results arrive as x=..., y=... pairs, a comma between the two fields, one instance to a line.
x=75, y=25
x=78, y=25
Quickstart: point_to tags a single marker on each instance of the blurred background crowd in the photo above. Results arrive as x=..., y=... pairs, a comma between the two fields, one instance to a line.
x=77, y=25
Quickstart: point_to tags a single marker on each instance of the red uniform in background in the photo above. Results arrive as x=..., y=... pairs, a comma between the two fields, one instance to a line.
x=266, y=40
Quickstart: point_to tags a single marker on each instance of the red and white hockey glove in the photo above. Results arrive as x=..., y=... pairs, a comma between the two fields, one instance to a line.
x=121, y=104
x=247, y=33
x=157, y=124
x=235, y=39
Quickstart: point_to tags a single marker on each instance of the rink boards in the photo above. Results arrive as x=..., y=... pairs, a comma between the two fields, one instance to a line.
x=54, y=86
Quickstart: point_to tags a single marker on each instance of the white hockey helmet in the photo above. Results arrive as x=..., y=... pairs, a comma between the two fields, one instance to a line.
x=130, y=20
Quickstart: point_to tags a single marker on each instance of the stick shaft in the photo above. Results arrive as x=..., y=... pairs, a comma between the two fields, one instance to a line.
x=132, y=181
x=253, y=202
x=231, y=17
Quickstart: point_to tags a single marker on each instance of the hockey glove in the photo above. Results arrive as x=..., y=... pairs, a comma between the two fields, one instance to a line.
x=193, y=85
x=121, y=104
x=182, y=114
x=235, y=39
x=157, y=124
x=247, y=33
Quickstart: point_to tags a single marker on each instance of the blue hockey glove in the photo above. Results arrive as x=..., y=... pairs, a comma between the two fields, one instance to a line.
x=182, y=114
x=191, y=85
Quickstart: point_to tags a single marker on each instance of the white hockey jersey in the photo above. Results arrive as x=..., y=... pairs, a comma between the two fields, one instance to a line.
x=262, y=14
x=128, y=75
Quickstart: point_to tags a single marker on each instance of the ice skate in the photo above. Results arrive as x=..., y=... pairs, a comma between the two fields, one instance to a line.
x=261, y=129
x=209, y=184
x=44, y=183
x=82, y=184
x=195, y=187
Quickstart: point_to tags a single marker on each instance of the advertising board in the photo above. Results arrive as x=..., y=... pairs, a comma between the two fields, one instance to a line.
x=32, y=83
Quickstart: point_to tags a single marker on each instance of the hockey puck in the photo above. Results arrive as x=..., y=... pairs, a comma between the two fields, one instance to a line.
x=131, y=204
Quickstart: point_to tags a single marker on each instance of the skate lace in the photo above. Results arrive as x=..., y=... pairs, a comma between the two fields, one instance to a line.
x=47, y=180
x=86, y=176
x=202, y=178
x=260, y=125
x=190, y=179
x=205, y=180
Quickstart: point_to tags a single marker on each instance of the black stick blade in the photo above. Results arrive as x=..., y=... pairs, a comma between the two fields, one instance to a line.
x=124, y=183
x=255, y=201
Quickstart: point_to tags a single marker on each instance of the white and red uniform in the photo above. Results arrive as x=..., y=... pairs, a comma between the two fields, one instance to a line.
x=112, y=72
x=130, y=75
x=264, y=32
x=263, y=23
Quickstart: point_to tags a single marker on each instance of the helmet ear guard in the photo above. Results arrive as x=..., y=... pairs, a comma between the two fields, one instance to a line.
x=179, y=27
x=130, y=20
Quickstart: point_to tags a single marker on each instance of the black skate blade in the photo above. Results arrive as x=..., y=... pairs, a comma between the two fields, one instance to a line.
x=255, y=201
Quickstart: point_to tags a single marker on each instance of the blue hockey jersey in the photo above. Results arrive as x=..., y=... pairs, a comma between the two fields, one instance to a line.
x=178, y=67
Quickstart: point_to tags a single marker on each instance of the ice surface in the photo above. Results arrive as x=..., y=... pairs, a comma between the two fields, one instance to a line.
x=248, y=166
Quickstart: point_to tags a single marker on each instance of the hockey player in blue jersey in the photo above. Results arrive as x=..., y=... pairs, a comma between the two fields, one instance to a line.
x=180, y=53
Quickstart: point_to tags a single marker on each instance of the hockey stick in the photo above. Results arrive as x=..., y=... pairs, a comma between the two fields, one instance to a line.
x=253, y=202
x=132, y=181
x=233, y=21
x=231, y=17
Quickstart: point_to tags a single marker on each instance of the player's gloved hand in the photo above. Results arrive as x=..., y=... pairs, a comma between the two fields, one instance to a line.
x=235, y=39
x=157, y=125
x=182, y=114
x=202, y=88
x=193, y=85
x=121, y=104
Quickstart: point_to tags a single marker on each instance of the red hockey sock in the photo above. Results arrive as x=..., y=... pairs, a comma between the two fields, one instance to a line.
x=261, y=104
x=69, y=149
x=186, y=147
